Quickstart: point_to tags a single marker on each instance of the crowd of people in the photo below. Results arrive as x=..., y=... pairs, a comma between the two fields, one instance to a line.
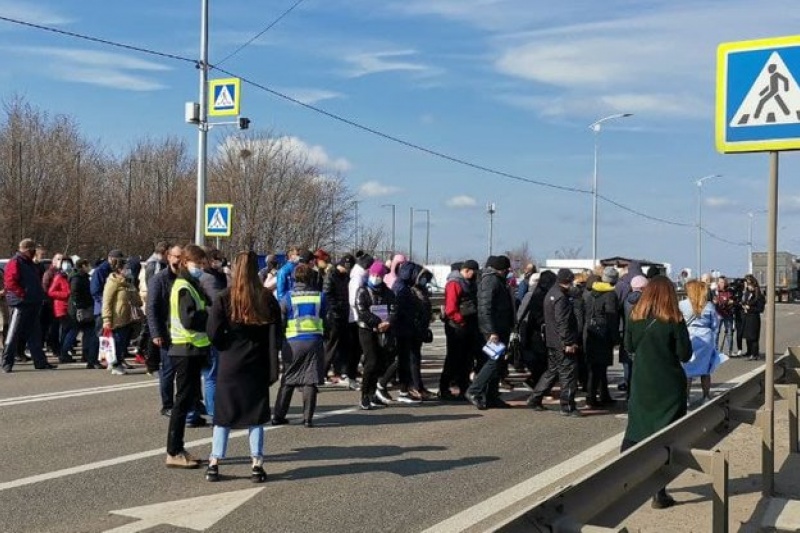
x=218, y=335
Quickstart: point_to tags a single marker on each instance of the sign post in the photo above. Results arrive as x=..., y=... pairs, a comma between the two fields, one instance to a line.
x=758, y=110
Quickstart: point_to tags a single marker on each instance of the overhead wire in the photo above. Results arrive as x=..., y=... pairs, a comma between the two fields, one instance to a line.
x=350, y=122
x=259, y=34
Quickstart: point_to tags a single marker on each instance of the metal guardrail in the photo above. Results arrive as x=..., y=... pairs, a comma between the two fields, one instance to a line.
x=623, y=484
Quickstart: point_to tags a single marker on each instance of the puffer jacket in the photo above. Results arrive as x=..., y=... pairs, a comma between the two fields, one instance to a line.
x=59, y=293
x=118, y=297
x=336, y=291
x=423, y=313
x=561, y=325
x=368, y=296
x=495, y=305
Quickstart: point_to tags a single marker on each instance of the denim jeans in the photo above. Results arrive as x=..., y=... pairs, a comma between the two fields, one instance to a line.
x=167, y=380
x=726, y=332
x=210, y=382
x=219, y=441
x=122, y=339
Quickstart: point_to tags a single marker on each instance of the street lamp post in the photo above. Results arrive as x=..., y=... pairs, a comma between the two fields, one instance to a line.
x=427, y=232
x=491, y=209
x=202, y=137
x=700, y=222
x=393, y=206
x=596, y=127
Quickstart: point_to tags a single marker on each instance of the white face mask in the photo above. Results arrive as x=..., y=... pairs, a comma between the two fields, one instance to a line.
x=375, y=281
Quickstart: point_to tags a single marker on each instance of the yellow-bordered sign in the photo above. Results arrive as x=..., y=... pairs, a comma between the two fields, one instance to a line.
x=224, y=97
x=219, y=218
x=758, y=97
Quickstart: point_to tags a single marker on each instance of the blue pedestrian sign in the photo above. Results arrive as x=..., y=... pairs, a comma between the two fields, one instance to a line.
x=758, y=97
x=218, y=220
x=224, y=97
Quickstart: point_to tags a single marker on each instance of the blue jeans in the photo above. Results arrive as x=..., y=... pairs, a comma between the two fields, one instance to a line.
x=210, y=381
x=122, y=339
x=726, y=332
x=166, y=380
x=219, y=442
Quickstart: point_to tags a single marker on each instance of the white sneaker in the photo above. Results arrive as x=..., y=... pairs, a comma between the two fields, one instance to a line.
x=739, y=353
x=384, y=396
x=118, y=371
x=403, y=397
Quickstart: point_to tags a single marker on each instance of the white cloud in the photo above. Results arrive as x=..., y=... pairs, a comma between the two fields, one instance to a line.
x=461, y=201
x=315, y=155
x=376, y=188
x=27, y=11
x=720, y=201
x=312, y=96
x=364, y=64
x=106, y=69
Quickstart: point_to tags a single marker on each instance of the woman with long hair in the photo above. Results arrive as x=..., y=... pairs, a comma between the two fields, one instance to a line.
x=658, y=342
x=752, y=307
x=189, y=349
x=244, y=328
x=703, y=322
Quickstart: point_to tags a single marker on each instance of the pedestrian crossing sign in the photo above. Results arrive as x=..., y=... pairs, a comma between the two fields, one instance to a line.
x=218, y=220
x=224, y=97
x=758, y=96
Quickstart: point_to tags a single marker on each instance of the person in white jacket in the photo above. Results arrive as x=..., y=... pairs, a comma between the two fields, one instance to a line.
x=358, y=277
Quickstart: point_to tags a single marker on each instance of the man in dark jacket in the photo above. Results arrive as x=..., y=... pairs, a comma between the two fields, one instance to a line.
x=158, y=293
x=337, y=336
x=563, y=339
x=460, y=328
x=156, y=262
x=23, y=291
x=600, y=335
x=530, y=317
x=495, y=321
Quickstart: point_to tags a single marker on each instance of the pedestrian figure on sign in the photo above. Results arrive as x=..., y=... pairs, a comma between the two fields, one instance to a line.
x=772, y=91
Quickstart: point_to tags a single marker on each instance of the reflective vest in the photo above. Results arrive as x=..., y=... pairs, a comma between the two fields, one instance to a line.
x=178, y=333
x=305, y=319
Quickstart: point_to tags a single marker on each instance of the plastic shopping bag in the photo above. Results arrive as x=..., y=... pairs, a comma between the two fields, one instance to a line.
x=494, y=350
x=108, y=351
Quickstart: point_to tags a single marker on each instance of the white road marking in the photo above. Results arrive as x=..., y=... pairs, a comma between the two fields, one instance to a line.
x=57, y=474
x=75, y=393
x=469, y=517
x=197, y=514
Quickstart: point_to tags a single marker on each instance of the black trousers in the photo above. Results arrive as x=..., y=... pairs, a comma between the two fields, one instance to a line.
x=598, y=383
x=24, y=329
x=462, y=345
x=752, y=348
x=398, y=363
x=737, y=322
x=354, y=350
x=284, y=400
x=374, y=361
x=337, y=347
x=187, y=384
x=560, y=367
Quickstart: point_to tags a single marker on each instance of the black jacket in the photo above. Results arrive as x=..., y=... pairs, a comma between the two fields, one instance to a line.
x=495, y=306
x=158, y=291
x=561, y=325
x=366, y=297
x=601, y=326
x=80, y=296
x=337, y=296
x=213, y=282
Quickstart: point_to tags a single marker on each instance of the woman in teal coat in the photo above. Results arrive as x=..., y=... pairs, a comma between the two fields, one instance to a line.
x=658, y=340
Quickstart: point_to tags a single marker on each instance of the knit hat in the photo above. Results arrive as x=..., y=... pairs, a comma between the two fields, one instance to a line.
x=347, y=261
x=565, y=275
x=455, y=267
x=498, y=262
x=639, y=282
x=116, y=254
x=471, y=264
x=378, y=269
x=610, y=275
x=505, y=262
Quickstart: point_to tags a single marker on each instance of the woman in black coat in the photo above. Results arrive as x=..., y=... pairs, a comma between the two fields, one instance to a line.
x=244, y=325
x=752, y=307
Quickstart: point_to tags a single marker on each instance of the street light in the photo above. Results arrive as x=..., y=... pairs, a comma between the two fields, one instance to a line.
x=595, y=127
x=393, y=206
x=491, y=209
x=750, y=215
x=700, y=221
x=427, y=231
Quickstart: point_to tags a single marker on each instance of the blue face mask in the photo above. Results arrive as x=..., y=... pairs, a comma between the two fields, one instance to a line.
x=195, y=272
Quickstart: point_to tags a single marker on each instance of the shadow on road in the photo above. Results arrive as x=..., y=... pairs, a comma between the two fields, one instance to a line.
x=402, y=467
x=334, y=453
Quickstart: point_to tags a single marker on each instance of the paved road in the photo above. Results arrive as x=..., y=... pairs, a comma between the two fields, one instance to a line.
x=79, y=444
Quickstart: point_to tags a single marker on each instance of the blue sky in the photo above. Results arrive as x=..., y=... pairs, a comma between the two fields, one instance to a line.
x=508, y=84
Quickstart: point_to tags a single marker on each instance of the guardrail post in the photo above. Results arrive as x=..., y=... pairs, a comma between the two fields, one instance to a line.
x=789, y=393
x=714, y=464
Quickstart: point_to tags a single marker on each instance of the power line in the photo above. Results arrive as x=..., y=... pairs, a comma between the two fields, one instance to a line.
x=259, y=34
x=722, y=239
x=352, y=123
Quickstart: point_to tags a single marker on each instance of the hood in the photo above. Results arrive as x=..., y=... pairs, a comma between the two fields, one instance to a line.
x=421, y=274
x=546, y=281
x=488, y=271
x=392, y=276
x=408, y=272
x=358, y=272
x=116, y=279
x=634, y=297
x=454, y=275
x=601, y=287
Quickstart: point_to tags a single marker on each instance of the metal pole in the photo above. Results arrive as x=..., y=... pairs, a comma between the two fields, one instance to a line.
x=411, y=234
x=699, y=230
x=491, y=231
x=594, y=198
x=768, y=428
x=202, y=136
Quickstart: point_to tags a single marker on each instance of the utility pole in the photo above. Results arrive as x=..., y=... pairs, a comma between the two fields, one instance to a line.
x=202, y=137
x=427, y=232
x=491, y=208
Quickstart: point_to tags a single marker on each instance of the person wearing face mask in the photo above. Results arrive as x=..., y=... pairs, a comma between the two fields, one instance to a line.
x=158, y=293
x=24, y=295
x=59, y=293
x=81, y=315
x=97, y=283
x=118, y=313
x=189, y=349
x=376, y=314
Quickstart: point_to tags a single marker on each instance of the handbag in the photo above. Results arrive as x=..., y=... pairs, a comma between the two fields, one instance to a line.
x=85, y=315
x=427, y=338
